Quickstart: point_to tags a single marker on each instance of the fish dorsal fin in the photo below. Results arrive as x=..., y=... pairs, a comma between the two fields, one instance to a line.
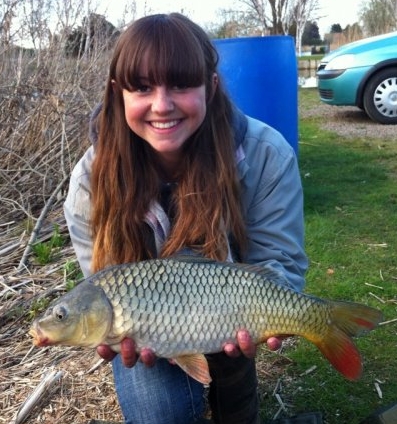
x=196, y=366
x=193, y=258
x=266, y=271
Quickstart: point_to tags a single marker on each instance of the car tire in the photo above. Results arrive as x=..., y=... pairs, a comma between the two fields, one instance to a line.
x=380, y=97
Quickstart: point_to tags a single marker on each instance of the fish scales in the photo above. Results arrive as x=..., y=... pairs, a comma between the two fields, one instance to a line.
x=211, y=302
x=185, y=307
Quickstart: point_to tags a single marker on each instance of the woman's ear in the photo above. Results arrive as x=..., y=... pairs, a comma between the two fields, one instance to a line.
x=214, y=82
x=113, y=84
x=214, y=85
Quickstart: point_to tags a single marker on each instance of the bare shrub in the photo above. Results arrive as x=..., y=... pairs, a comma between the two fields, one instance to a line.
x=46, y=98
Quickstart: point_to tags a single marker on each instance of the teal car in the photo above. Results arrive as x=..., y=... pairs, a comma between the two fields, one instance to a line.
x=362, y=74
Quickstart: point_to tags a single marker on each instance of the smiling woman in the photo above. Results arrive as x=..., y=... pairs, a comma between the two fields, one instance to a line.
x=176, y=167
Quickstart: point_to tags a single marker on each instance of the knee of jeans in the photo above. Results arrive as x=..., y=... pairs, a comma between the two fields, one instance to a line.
x=162, y=394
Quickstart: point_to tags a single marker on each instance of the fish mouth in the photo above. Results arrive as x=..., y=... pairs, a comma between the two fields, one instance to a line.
x=39, y=339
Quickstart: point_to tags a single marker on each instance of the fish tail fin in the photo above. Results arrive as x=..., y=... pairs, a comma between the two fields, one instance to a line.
x=347, y=320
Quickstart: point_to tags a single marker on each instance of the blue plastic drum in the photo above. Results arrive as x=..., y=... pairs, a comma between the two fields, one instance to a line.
x=261, y=76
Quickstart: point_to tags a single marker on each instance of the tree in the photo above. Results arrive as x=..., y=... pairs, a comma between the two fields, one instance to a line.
x=379, y=16
x=279, y=16
x=94, y=32
x=227, y=29
x=270, y=15
x=279, y=9
x=353, y=32
x=235, y=23
x=311, y=34
x=255, y=9
x=300, y=13
x=8, y=11
x=36, y=17
x=336, y=28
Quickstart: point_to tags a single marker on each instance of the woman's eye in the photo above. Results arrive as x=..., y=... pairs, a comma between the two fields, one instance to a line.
x=142, y=88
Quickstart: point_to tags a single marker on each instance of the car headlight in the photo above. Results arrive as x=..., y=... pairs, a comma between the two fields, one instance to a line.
x=340, y=62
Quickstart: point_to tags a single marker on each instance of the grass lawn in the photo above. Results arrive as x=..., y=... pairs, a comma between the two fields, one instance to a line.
x=351, y=224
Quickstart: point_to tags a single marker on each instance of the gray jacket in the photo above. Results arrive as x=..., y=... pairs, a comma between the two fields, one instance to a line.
x=272, y=202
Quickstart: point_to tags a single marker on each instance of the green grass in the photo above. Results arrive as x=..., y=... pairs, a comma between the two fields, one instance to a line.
x=351, y=240
x=72, y=274
x=311, y=57
x=45, y=252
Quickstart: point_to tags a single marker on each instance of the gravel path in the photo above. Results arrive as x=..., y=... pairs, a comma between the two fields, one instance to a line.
x=349, y=121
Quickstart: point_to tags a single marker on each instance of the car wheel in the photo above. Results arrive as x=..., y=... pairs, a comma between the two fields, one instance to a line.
x=380, y=97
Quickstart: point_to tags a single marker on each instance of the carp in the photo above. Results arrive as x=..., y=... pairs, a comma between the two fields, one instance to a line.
x=185, y=307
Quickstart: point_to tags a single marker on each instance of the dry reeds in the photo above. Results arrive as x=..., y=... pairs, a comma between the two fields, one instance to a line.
x=44, y=117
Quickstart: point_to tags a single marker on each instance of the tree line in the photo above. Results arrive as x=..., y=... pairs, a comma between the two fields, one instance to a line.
x=73, y=23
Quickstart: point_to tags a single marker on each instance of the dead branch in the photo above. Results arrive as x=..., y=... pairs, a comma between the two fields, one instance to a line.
x=38, y=395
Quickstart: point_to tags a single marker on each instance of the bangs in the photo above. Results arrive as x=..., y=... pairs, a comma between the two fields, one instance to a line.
x=163, y=51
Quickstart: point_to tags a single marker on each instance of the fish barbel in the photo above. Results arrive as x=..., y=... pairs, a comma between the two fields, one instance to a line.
x=183, y=308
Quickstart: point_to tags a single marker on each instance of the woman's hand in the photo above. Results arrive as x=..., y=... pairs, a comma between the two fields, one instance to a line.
x=247, y=347
x=129, y=356
x=128, y=353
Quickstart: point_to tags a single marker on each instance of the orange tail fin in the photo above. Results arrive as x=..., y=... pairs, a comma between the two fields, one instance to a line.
x=347, y=320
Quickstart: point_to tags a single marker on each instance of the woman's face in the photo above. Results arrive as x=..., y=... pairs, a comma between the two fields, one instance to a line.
x=164, y=116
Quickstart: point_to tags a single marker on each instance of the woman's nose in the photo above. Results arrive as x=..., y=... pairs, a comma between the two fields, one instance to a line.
x=162, y=100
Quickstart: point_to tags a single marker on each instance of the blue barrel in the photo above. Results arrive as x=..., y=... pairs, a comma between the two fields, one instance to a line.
x=261, y=77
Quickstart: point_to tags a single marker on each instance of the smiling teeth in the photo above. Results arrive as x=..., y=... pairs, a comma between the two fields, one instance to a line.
x=164, y=125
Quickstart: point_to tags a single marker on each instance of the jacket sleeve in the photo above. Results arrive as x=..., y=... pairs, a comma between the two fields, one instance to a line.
x=273, y=205
x=77, y=211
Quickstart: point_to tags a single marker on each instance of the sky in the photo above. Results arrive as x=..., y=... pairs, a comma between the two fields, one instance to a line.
x=343, y=12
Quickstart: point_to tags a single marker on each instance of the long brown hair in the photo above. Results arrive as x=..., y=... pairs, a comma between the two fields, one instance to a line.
x=125, y=179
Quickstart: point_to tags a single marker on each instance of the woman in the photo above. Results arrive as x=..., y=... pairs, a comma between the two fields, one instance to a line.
x=175, y=166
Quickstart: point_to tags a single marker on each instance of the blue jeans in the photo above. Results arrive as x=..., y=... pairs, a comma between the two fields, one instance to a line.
x=164, y=394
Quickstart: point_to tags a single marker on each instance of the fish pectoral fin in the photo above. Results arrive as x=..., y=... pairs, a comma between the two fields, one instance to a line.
x=196, y=366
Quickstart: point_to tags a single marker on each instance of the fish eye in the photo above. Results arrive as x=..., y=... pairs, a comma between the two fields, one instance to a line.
x=60, y=313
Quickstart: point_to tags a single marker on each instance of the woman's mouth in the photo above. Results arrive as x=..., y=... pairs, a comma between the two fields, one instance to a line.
x=165, y=125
